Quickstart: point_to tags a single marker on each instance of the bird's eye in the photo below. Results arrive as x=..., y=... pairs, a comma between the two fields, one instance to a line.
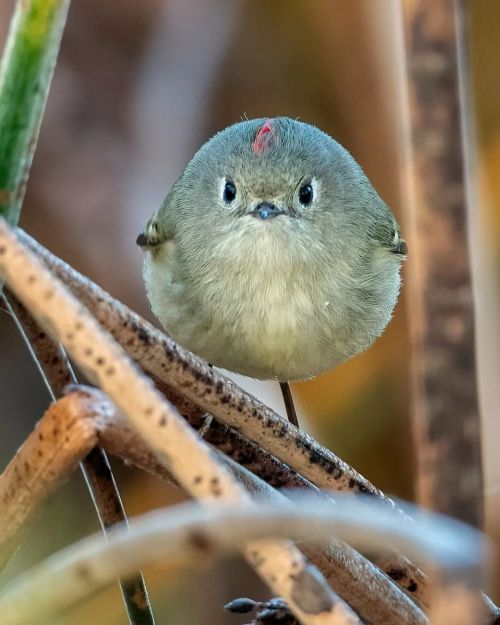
x=229, y=192
x=306, y=194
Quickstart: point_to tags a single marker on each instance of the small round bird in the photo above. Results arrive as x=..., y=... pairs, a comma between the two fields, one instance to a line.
x=273, y=256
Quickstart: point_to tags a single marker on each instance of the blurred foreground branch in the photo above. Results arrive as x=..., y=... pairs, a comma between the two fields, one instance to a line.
x=190, y=534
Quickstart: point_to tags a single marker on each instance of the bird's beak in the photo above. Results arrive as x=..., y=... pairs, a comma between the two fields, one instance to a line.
x=265, y=210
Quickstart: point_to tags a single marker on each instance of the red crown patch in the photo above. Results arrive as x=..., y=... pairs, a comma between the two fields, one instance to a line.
x=264, y=137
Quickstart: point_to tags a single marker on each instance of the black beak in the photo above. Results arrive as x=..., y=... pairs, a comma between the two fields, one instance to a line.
x=266, y=211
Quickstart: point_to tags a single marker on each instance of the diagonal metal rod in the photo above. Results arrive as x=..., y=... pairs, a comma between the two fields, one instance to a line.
x=95, y=467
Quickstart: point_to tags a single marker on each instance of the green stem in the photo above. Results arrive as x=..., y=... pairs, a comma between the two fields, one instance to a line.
x=25, y=73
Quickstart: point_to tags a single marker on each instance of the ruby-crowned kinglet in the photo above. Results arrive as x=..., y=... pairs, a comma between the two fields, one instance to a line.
x=273, y=255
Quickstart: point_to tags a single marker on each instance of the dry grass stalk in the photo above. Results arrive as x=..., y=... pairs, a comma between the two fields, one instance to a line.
x=57, y=373
x=86, y=418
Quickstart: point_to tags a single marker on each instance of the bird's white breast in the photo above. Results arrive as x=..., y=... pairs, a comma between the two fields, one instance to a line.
x=245, y=309
x=255, y=305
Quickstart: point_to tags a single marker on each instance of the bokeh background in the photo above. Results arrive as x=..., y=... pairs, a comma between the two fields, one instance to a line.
x=138, y=87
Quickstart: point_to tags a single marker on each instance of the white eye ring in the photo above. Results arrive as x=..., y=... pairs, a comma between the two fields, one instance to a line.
x=308, y=192
x=227, y=191
x=316, y=186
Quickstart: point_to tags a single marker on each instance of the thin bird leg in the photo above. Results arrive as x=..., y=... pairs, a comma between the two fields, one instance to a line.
x=289, y=405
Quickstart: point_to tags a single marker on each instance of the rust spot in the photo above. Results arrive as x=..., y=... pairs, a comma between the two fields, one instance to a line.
x=83, y=571
x=141, y=333
x=200, y=376
x=395, y=574
x=363, y=488
x=199, y=541
x=282, y=432
x=215, y=487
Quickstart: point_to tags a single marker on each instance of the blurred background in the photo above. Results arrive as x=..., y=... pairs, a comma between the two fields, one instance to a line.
x=138, y=87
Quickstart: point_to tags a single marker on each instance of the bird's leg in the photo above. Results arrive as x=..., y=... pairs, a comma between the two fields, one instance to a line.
x=289, y=405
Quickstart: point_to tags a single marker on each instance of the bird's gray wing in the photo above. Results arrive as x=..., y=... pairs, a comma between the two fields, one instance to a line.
x=160, y=226
x=385, y=232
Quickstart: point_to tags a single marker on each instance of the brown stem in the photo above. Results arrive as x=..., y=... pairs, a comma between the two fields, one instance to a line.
x=85, y=417
x=445, y=406
x=57, y=373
